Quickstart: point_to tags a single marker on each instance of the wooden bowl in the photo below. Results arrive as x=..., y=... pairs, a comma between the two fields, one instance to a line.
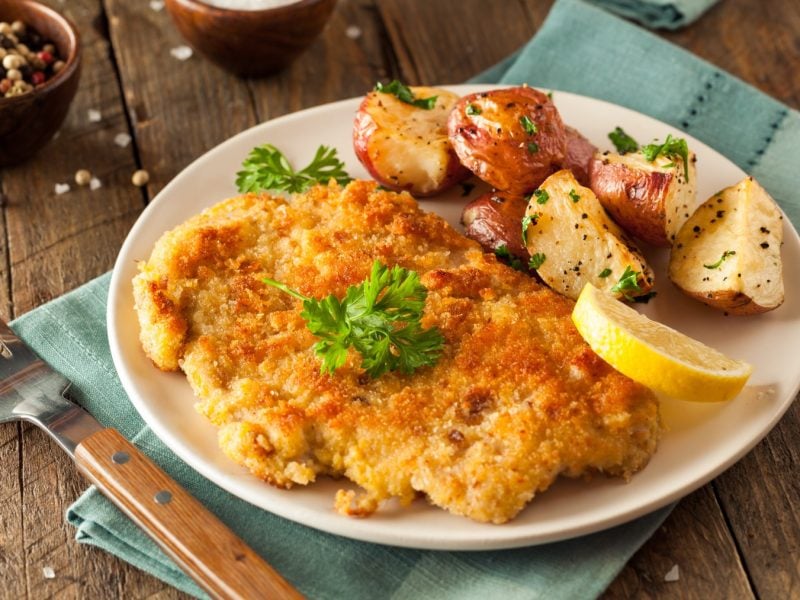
x=27, y=122
x=251, y=42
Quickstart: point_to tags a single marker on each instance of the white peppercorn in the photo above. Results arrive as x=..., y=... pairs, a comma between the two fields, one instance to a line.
x=83, y=176
x=140, y=178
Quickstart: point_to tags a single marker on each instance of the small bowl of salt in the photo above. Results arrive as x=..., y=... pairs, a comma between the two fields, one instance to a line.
x=250, y=37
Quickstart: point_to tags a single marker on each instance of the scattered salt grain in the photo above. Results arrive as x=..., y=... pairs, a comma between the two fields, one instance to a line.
x=353, y=32
x=94, y=115
x=62, y=188
x=157, y=5
x=673, y=574
x=122, y=140
x=249, y=4
x=95, y=183
x=48, y=573
x=181, y=52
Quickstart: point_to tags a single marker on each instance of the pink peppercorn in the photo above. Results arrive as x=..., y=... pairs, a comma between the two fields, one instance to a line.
x=38, y=77
x=5, y=85
x=45, y=56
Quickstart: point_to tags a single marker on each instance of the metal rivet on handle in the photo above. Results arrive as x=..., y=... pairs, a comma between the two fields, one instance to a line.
x=163, y=497
x=120, y=458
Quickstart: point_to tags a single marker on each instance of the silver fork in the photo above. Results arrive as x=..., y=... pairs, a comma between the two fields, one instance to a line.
x=221, y=563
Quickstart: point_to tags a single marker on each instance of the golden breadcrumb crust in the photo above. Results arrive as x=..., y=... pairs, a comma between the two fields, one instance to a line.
x=516, y=399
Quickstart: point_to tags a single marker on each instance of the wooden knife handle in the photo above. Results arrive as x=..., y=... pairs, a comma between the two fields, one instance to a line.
x=209, y=552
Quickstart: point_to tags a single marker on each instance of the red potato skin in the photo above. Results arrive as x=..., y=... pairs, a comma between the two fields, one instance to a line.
x=495, y=219
x=365, y=128
x=634, y=199
x=494, y=144
x=579, y=156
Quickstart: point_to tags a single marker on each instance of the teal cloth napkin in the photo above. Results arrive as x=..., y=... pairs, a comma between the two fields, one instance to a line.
x=659, y=14
x=757, y=132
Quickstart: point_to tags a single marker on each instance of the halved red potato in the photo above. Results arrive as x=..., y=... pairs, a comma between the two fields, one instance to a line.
x=649, y=200
x=406, y=147
x=580, y=153
x=494, y=220
x=511, y=138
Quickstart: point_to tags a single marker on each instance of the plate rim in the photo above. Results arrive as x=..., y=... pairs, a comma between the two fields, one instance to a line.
x=344, y=526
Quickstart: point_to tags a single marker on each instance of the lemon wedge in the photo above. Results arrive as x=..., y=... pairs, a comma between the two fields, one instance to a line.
x=653, y=354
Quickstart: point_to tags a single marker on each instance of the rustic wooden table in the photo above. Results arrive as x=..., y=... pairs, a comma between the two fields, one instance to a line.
x=737, y=537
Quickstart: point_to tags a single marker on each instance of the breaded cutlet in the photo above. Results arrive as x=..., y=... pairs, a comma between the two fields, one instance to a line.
x=516, y=399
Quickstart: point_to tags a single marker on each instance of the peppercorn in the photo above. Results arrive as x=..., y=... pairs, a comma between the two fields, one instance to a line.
x=83, y=177
x=13, y=61
x=140, y=178
x=27, y=60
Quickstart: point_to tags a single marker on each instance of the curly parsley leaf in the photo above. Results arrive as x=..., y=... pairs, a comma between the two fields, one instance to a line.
x=527, y=221
x=628, y=283
x=266, y=168
x=380, y=318
x=622, y=141
x=537, y=260
x=528, y=125
x=671, y=148
x=404, y=94
x=502, y=252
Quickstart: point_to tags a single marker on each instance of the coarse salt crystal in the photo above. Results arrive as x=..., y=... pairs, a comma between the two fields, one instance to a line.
x=353, y=32
x=122, y=140
x=95, y=183
x=48, y=573
x=62, y=188
x=673, y=574
x=94, y=115
x=181, y=52
x=156, y=5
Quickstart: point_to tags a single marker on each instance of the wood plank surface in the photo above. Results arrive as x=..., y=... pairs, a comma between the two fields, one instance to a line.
x=737, y=537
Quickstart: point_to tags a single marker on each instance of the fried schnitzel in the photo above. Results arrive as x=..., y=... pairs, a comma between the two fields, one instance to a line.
x=516, y=398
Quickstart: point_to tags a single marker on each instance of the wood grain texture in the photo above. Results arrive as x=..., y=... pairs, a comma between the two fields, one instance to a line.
x=220, y=562
x=694, y=538
x=759, y=495
x=178, y=110
x=335, y=67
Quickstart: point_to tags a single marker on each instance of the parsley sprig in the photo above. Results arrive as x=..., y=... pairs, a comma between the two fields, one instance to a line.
x=622, y=141
x=266, y=168
x=404, y=94
x=380, y=318
x=629, y=282
x=671, y=148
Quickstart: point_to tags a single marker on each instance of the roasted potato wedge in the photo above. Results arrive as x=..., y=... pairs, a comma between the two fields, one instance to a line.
x=406, y=147
x=650, y=200
x=511, y=138
x=572, y=241
x=728, y=254
x=494, y=220
x=579, y=156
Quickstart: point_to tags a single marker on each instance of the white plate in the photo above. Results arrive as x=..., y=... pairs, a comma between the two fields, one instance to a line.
x=701, y=439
